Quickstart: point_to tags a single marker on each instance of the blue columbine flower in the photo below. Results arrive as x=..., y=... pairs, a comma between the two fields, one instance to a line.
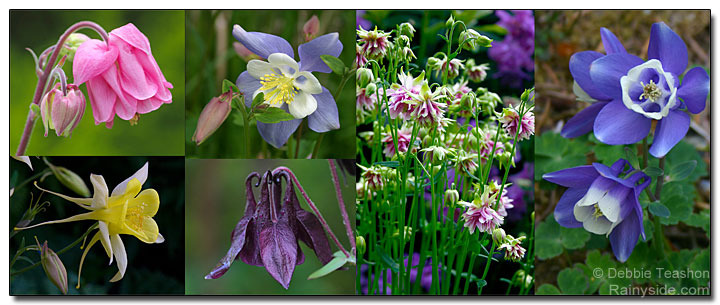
x=629, y=93
x=288, y=84
x=604, y=201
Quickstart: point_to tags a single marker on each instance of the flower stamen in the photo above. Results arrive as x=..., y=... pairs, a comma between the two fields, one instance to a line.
x=651, y=91
x=278, y=88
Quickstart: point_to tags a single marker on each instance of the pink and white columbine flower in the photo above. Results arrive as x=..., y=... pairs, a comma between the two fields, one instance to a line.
x=513, y=249
x=510, y=119
x=403, y=142
x=360, y=59
x=477, y=73
x=480, y=214
x=428, y=111
x=505, y=201
x=373, y=177
x=400, y=102
x=465, y=162
x=454, y=67
x=374, y=44
x=364, y=100
x=488, y=143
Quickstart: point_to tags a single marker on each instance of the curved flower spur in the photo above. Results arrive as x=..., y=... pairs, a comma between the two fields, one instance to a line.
x=268, y=234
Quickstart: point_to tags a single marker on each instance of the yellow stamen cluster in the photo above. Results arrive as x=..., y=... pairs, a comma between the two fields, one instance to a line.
x=651, y=91
x=135, y=217
x=597, y=213
x=278, y=88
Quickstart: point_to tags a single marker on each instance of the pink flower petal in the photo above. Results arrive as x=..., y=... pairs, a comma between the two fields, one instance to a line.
x=92, y=58
x=132, y=36
x=132, y=73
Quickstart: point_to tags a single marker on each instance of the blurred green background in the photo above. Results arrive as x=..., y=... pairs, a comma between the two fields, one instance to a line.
x=40, y=29
x=152, y=268
x=212, y=58
x=215, y=203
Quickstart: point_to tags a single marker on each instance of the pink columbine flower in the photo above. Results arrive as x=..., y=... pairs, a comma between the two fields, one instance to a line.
x=453, y=68
x=488, y=144
x=505, y=201
x=477, y=73
x=373, y=177
x=480, y=214
x=400, y=102
x=403, y=142
x=510, y=119
x=513, y=249
x=428, y=111
x=360, y=59
x=62, y=112
x=374, y=44
x=365, y=99
x=122, y=76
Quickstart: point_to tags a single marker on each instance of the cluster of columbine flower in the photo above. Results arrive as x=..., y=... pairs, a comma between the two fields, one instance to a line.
x=445, y=124
x=514, y=54
x=628, y=94
x=120, y=71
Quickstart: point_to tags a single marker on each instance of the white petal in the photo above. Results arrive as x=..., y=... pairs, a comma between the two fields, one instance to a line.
x=24, y=159
x=285, y=63
x=582, y=213
x=581, y=94
x=100, y=191
x=307, y=82
x=303, y=105
x=258, y=68
x=610, y=203
x=105, y=239
x=141, y=175
x=160, y=239
x=120, y=256
x=598, y=226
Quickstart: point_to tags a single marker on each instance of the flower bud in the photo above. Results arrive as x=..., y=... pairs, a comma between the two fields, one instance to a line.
x=450, y=21
x=360, y=244
x=452, y=196
x=71, y=45
x=212, y=116
x=70, y=180
x=363, y=77
x=403, y=41
x=522, y=279
x=433, y=62
x=407, y=233
x=472, y=39
x=54, y=268
x=407, y=29
x=498, y=236
x=370, y=89
x=62, y=112
x=311, y=27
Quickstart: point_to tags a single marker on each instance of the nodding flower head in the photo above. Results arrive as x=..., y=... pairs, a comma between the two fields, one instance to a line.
x=480, y=214
x=374, y=44
x=62, y=111
x=513, y=248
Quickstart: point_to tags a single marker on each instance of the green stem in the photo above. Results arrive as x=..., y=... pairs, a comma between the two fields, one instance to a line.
x=316, y=149
x=487, y=266
x=63, y=250
x=21, y=184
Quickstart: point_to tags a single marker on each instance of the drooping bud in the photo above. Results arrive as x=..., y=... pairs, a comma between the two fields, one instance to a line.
x=363, y=77
x=53, y=266
x=212, y=116
x=498, y=236
x=71, y=45
x=62, y=112
x=471, y=39
x=360, y=244
x=452, y=196
x=450, y=21
x=371, y=89
x=311, y=27
x=477, y=73
x=406, y=235
x=407, y=29
x=70, y=180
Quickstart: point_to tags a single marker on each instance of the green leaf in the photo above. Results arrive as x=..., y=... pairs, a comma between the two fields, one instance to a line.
x=259, y=99
x=553, y=153
x=653, y=171
x=551, y=238
x=392, y=164
x=547, y=289
x=331, y=266
x=682, y=170
x=632, y=157
x=685, y=151
x=608, y=154
x=572, y=281
x=680, y=207
x=335, y=64
x=658, y=209
x=228, y=85
x=273, y=115
x=702, y=263
x=700, y=220
x=387, y=260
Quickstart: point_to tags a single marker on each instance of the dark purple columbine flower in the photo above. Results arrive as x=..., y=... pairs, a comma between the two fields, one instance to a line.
x=360, y=21
x=514, y=54
x=269, y=232
x=630, y=93
x=288, y=84
x=604, y=201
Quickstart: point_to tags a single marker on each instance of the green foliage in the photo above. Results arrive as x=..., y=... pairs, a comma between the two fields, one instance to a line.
x=273, y=115
x=335, y=64
x=553, y=153
x=551, y=238
x=658, y=209
x=572, y=281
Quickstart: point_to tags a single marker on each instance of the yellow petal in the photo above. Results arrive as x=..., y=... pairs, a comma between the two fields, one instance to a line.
x=145, y=229
x=148, y=202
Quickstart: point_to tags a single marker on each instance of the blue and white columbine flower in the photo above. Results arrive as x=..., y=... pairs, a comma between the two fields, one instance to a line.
x=604, y=201
x=288, y=84
x=629, y=93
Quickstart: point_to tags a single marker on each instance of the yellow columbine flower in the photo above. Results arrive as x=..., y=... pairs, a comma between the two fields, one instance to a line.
x=127, y=210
